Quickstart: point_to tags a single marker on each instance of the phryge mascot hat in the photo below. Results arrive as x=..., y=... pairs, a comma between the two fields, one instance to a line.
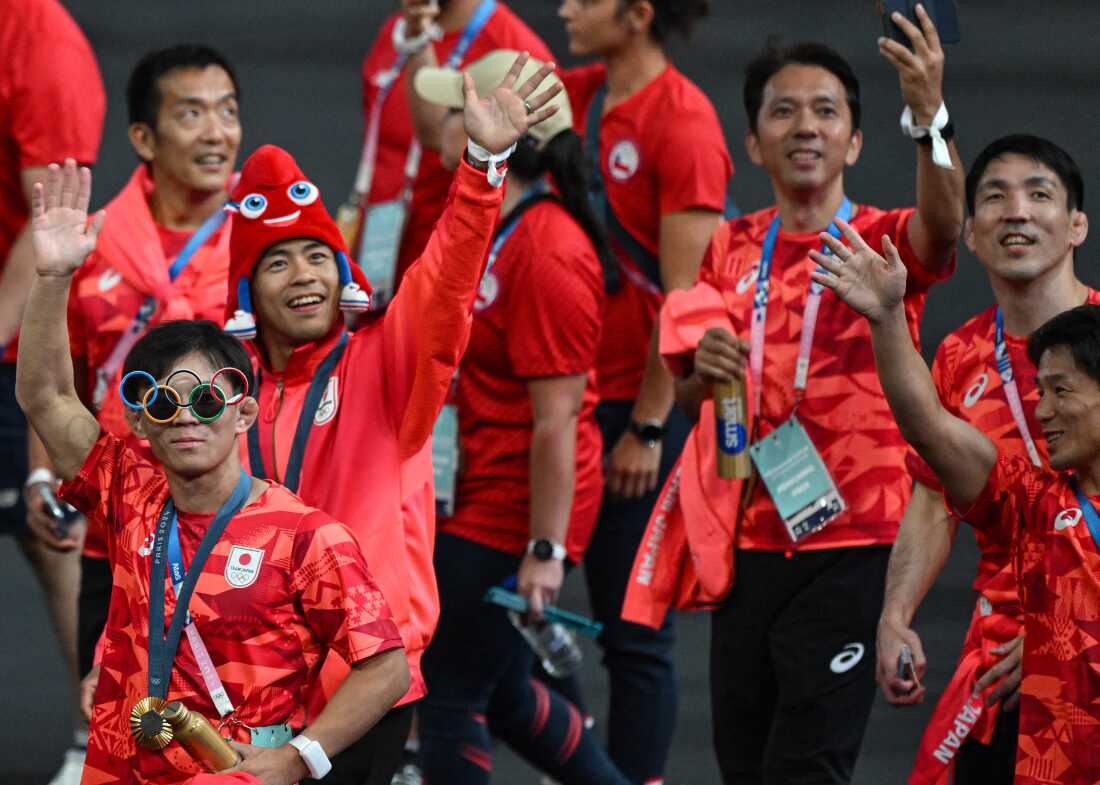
x=273, y=202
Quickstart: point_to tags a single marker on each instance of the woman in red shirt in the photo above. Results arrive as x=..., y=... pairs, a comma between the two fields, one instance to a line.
x=529, y=485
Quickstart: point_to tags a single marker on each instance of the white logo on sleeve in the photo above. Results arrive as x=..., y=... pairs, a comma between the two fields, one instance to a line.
x=330, y=402
x=1067, y=518
x=487, y=292
x=624, y=160
x=976, y=390
x=109, y=280
x=849, y=656
x=748, y=279
x=243, y=566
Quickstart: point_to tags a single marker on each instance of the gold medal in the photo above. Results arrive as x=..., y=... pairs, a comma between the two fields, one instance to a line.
x=150, y=729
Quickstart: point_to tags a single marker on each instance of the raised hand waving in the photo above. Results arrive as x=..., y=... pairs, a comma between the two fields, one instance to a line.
x=497, y=121
x=60, y=232
x=867, y=282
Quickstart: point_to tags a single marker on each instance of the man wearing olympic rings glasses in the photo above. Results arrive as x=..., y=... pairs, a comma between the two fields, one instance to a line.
x=345, y=420
x=263, y=586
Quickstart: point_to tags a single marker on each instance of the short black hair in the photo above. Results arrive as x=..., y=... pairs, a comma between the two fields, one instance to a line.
x=160, y=348
x=1078, y=329
x=1038, y=149
x=143, y=96
x=673, y=16
x=774, y=58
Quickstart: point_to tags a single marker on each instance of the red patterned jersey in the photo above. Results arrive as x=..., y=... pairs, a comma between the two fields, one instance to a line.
x=284, y=585
x=843, y=410
x=651, y=167
x=1058, y=568
x=537, y=315
x=504, y=30
x=969, y=386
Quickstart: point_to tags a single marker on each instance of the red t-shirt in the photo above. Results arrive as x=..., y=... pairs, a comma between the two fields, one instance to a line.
x=284, y=585
x=504, y=30
x=969, y=386
x=52, y=104
x=1058, y=569
x=843, y=409
x=537, y=315
x=651, y=166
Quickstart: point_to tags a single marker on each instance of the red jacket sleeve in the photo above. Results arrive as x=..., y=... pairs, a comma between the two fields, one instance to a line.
x=427, y=326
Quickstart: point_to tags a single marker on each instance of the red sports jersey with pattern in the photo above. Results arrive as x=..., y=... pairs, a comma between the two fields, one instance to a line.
x=843, y=410
x=651, y=167
x=130, y=263
x=1058, y=568
x=504, y=30
x=52, y=105
x=537, y=315
x=284, y=585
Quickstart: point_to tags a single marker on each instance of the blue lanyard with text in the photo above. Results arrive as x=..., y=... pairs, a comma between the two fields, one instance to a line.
x=162, y=648
x=1092, y=519
x=1012, y=392
x=760, y=308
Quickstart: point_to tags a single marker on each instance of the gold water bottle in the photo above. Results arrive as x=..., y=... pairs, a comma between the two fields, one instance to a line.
x=199, y=738
x=733, y=443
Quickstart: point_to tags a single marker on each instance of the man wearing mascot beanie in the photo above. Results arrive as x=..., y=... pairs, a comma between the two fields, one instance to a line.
x=345, y=419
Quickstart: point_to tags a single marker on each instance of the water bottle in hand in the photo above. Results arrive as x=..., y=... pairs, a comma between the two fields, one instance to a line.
x=554, y=645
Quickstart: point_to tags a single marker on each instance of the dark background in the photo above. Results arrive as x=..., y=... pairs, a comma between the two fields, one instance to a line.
x=1023, y=66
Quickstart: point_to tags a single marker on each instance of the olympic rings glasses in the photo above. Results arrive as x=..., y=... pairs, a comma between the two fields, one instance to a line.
x=162, y=404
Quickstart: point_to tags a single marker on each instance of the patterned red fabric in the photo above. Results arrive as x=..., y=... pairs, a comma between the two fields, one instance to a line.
x=1058, y=569
x=131, y=262
x=537, y=315
x=52, y=105
x=651, y=167
x=844, y=410
x=504, y=30
x=267, y=628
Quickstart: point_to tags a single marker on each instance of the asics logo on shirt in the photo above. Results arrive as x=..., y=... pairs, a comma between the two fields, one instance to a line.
x=330, y=402
x=1067, y=518
x=746, y=281
x=976, y=390
x=109, y=280
x=624, y=160
x=848, y=658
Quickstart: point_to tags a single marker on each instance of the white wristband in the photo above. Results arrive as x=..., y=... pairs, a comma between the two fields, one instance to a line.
x=479, y=153
x=41, y=474
x=941, y=157
x=410, y=46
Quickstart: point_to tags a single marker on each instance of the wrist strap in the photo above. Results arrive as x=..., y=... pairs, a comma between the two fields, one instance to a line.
x=410, y=46
x=41, y=474
x=941, y=157
x=479, y=153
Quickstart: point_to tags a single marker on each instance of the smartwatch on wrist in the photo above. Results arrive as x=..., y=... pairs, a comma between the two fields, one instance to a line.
x=313, y=755
x=649, y=432
x=545, y=549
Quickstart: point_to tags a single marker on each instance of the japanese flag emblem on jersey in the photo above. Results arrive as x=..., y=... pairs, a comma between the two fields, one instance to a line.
x=624, y=160
x=243, y=566
x=330, y=402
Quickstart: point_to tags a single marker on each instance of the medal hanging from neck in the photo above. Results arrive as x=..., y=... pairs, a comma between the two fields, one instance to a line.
x=150, y=729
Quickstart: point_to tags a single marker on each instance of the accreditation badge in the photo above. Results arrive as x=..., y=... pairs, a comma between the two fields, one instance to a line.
x=797, y=480
x=445, y=459
x=381, y=244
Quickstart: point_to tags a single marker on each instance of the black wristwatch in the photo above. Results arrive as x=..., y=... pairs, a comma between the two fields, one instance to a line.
x=649, y=432
x=947, y=132
x=545, y=549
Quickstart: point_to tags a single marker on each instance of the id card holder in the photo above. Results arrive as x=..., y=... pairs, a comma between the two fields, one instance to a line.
x=271, y=736
x=445, y=459
x=797, y=480
x=382, y=232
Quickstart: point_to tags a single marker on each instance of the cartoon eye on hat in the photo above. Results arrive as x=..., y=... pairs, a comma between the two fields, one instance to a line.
x=303, y=193
x=253, y=205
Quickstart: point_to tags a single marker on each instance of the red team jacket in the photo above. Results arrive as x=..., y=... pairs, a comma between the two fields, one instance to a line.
x=366, y=461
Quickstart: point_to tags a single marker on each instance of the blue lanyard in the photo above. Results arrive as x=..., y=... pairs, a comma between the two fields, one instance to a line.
x=1091, y=517
x=533, y=194
x=481, y=16
x=196, y=241
x=760, y=300
x=1012, y=392
x=162, y=648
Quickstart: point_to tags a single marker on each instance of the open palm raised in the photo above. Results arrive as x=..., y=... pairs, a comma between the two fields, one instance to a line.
x=497, y=121
x=867, y=282
x=60, y=232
